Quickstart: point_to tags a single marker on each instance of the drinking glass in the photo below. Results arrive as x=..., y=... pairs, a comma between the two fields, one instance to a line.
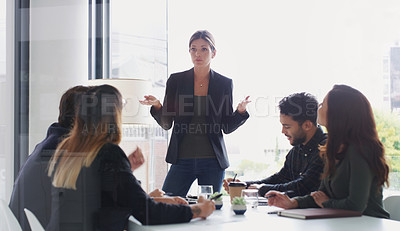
x=251, y=197
x=205, y=190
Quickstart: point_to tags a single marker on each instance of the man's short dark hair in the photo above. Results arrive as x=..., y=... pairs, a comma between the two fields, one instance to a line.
x=300, y=106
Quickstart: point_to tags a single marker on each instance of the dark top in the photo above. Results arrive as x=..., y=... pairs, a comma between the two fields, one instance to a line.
x=301, y=171
x=107, y=194
x=178, y=109
x=353, y=186
x=32, y=188
x=195, y=143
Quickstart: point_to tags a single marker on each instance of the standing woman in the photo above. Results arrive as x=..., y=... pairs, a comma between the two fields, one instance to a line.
x=198, y=102
x=94, y=188
x=355, y=166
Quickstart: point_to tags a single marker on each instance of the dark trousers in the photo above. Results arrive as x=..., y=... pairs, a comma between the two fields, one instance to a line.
x=182, y=174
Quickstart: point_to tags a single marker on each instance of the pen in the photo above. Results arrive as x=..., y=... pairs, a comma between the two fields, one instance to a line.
x=234, y=178
x=216, y=196
x=273, y=195
x=284, y=193
x=273, y=212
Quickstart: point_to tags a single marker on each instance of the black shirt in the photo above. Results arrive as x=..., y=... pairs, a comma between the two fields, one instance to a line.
x=195, y=143
x=301, y=171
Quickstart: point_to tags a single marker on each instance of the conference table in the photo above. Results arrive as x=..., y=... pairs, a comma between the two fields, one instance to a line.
x=259, y=219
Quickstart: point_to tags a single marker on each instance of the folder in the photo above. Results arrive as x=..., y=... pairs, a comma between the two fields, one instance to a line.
x=316, y=213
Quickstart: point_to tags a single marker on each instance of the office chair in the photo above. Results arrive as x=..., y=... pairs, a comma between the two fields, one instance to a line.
x=392, y=205
x=33, y=221
x=8, y=222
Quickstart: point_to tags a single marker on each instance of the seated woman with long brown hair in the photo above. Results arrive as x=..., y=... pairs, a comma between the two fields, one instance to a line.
x=94, y=188
x=355, y=166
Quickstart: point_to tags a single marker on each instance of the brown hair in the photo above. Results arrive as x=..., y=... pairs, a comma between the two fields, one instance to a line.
x=97, y=122
x=68, y=105
x=205, y=35
x=350, y=120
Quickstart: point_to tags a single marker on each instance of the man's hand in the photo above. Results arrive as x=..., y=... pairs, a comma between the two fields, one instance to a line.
x=255, y=186
x=226, y=183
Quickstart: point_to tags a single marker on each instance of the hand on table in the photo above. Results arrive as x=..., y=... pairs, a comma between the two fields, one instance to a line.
x=280, y=200
x=319, y=198
x=157, y=193
x=171, y=200
x=203, y=208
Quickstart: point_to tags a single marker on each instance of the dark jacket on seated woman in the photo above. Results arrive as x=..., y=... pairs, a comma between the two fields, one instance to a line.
x=121, y=196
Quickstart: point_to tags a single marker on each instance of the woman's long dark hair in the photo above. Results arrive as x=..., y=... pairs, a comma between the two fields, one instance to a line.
x=350, y=120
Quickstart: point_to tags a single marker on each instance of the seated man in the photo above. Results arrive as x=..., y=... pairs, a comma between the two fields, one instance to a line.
x=303, y=166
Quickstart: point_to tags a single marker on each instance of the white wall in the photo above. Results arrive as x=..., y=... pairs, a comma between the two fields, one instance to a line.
x=58, y=58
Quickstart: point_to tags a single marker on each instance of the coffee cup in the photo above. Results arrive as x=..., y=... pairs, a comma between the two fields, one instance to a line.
x=235, y=189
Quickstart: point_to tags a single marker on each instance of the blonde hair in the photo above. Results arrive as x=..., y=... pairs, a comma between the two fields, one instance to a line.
x=98, y=121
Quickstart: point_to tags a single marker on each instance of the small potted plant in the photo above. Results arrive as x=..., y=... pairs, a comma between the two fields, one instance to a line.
x=239, y=205
x=218, y=201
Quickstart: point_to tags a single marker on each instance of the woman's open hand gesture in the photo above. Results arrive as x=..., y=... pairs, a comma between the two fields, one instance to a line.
x=241, y=108
x=151, y=101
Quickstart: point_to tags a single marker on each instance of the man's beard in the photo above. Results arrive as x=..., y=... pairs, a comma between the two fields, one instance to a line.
x=299, y=138
x=298, y=141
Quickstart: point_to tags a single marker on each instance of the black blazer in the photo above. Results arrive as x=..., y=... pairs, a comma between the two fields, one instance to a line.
x=178, y=108
x=106, y=194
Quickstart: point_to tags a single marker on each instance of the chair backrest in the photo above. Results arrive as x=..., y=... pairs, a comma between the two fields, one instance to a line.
x=33, y=221
x=392, y=205
x=8, y=222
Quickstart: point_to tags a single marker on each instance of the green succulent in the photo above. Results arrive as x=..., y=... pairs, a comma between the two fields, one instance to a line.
x=238, y=201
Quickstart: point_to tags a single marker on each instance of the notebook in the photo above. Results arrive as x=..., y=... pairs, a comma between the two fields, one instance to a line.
x=315, y=213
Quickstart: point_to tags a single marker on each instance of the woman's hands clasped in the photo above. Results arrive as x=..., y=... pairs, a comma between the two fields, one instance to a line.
x=280, y=200
x=319, y=198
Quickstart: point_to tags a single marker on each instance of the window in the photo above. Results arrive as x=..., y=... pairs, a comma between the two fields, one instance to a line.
x=139, y=40
x=138, y=48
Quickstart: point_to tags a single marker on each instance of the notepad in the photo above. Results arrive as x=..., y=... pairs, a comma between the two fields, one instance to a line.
x=315, y=213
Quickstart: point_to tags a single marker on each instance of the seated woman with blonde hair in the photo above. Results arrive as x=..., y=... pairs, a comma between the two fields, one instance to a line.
x=94, y=188
x=355, y=166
